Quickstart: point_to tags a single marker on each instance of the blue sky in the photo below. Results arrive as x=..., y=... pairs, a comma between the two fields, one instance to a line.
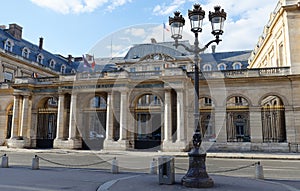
x=78, y=26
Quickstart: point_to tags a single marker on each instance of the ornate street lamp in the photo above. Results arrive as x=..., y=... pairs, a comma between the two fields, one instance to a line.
x=197, y=177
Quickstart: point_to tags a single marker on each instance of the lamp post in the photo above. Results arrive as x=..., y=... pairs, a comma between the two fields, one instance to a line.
x=197, y=177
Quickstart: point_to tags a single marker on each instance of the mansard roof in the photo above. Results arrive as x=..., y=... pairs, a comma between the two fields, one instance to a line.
x=167, y=48
x=228, y=58
x=20, y=44
x=142, y=51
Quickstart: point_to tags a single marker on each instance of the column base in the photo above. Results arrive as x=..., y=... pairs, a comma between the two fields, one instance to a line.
x=120, y=145
x=16, y=143
x=67, y=144
x=174, y=146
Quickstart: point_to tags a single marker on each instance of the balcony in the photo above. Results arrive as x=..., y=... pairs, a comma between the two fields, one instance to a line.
x=259, y=72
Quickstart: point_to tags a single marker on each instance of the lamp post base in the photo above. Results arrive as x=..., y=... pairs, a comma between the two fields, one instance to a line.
x=197, y=177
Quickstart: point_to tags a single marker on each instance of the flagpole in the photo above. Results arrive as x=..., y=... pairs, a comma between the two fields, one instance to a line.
x=163, y=32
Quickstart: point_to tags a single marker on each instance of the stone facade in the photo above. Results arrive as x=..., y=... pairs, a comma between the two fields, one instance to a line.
x=147, y=100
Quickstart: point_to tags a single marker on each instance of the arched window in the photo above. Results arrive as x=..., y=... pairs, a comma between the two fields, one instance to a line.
x=148, y=100
x=8, y=46
x=63, y=69
x=52, y=63
x=237, y=66
x=39, y=59
x=222, y=66
x=207, y=67
x=25, y=52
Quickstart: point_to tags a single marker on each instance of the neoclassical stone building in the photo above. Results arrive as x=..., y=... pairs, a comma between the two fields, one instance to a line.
x=145, y=100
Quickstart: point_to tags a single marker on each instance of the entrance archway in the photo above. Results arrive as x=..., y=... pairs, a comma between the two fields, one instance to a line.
x=148, y=115
x=207, y=119
x=94, y=123
x=273, y=119
x=47, y=123
x=9, y=116
x=238, y=123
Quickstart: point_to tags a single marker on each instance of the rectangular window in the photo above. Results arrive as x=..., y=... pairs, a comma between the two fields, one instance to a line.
x=132, y=69
x=8, y=77
x=281, y=56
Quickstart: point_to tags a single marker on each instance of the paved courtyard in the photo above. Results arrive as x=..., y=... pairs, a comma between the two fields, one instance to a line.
x=89, y=170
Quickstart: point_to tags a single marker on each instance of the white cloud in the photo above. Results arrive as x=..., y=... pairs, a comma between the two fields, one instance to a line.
x=137, y=32
x=117, y=3
x=244, y=23
x=168, y=9
x=79, y=6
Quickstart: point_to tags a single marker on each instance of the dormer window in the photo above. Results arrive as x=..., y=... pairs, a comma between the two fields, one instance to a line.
x=25, y=52
x=8, y=46
x=40, y=59
x=63, y=69
x=237, y=66
x=73, y=71
x=207, y=67
x=222, y=66
x=52, y=63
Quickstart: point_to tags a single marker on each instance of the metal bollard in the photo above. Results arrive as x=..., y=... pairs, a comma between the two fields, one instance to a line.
x=166, y=170
x=259, y=173
x=35, y=163
x=114, y=166
x=4, y=163
x=153, y=167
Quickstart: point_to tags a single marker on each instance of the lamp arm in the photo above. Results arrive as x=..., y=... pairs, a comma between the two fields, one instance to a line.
x=217, y=40
x=197, y=50
x=183, y=45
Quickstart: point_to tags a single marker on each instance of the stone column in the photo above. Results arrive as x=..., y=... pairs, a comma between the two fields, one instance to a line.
x=109, y=118
x=60, y=117
x=256, y=125
x=73, y=141
x=123, y=115
x=16, y=140
x=180, y=117
x=73, y=114
x=167, y=117
x=33, y=128
x=291, y=132
x=1, y=73
x=16, y=116
x=168, y=144
x=220, y=124
x=25, y=116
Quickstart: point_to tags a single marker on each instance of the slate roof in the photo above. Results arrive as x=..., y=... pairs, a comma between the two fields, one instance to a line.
x=141, y=50
x=136, y=52
x=19, y=44
x=228, y=58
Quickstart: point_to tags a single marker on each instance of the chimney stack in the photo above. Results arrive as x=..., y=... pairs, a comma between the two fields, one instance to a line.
x=15, y=30
x=70, y=58
x=41, y=43
x=213, y=48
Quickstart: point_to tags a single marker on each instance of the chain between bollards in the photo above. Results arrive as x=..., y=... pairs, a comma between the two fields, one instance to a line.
x=228, y=170
x=72, y=165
